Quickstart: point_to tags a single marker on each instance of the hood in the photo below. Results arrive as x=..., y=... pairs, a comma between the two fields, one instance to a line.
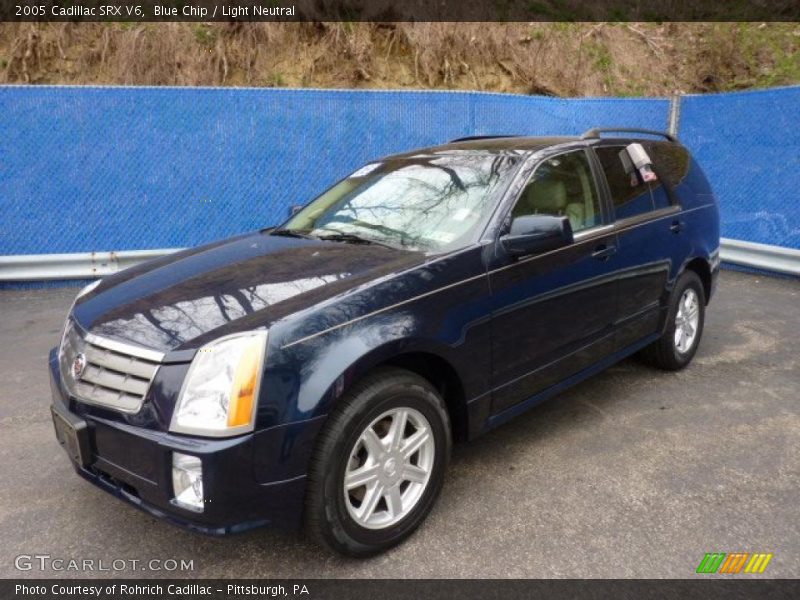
x=185, y=299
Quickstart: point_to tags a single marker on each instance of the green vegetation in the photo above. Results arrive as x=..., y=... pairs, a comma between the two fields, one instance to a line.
x=783, y=58
x=205, y=35
x=276, y=79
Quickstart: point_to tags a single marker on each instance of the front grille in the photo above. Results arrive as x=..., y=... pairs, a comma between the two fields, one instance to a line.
x=113, y=374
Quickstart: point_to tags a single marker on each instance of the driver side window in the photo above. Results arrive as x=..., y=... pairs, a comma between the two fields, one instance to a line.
x=562, y=186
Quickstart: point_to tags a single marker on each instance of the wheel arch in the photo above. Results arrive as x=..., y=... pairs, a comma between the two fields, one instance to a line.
x=425, y=362
x=444, y=377
x=702, y=268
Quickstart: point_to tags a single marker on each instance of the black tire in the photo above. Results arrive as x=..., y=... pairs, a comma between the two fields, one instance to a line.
x=326, y=514
x=664, y=353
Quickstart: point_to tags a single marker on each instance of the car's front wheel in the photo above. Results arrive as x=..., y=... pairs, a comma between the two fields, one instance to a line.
x=379, y=463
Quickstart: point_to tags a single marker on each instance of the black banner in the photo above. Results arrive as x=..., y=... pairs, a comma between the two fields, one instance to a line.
x=389, y=589
x=398, y=10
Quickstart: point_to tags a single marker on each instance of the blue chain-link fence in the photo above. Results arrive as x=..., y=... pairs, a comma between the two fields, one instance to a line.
x=749, y=146
x=99, y=169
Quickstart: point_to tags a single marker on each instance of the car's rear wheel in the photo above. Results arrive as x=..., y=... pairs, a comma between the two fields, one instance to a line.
x=685, y=319
x=379, y=464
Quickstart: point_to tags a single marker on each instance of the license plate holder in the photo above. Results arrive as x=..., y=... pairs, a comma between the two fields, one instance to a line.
x=73, y=435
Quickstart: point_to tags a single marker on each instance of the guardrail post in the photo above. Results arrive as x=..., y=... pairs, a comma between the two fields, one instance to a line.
x=674, y=117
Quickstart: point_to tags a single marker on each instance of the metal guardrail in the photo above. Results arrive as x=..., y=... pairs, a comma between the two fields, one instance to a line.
x=89, y=265
x=760, y=256
x=84, y=265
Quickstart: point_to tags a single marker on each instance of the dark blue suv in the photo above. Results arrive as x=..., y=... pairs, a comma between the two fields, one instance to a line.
x=319, y=371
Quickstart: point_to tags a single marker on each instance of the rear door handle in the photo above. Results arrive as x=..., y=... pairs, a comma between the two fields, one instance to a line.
x=604, y=251
x=676, y=227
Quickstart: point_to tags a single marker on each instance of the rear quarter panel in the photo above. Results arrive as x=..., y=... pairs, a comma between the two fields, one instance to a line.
x=700, y=212
x=701, y=216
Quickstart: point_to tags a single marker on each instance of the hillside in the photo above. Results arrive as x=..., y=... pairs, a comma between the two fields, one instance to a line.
x=561, y=59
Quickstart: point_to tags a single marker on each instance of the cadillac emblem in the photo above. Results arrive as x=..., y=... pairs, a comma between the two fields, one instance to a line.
x=78, y=366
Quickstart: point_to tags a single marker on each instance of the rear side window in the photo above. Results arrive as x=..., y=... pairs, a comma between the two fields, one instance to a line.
x=631, y=195
x=671, y=160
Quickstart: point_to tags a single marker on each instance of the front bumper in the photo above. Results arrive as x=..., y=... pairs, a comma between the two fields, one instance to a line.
x=135, y=465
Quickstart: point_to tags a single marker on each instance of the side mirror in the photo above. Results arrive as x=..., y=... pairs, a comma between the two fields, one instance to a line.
x=531, y=234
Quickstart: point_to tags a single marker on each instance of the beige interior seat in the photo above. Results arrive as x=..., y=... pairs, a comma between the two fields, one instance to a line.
x=544, y=197
x=549, y=197
x=576, y=213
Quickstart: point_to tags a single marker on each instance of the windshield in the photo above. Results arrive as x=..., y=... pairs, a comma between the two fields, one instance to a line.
x=427, y=203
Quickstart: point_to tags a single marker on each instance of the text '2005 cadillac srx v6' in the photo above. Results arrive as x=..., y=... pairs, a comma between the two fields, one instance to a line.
x=318, y=372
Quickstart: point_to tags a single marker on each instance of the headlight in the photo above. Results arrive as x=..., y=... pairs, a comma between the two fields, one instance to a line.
x=219, y=395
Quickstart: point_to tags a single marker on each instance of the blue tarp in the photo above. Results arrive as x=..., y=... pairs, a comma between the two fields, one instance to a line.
x=116, y=168
x=748, y=143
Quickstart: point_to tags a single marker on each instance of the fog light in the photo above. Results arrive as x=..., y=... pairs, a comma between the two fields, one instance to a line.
x=187, y=481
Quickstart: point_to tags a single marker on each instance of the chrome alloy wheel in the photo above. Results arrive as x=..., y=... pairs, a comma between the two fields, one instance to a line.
x=389, y=468
x=687, y=320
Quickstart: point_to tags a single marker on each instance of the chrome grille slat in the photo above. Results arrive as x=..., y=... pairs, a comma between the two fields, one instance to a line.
x=119, y=362
x=112, y=377
x=115, y=381
x=110, y=398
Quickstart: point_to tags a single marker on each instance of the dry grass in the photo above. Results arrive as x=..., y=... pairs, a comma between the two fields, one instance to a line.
x=544, y=58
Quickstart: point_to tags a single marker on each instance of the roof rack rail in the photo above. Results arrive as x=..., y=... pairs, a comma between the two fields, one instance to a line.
x=480, y=137
x=595, y=133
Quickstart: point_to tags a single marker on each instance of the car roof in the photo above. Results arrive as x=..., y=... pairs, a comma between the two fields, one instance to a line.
x=514, y=144
x=490, y=144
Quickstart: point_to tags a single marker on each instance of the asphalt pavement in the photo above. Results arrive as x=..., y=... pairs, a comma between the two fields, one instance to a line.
x=634, y=473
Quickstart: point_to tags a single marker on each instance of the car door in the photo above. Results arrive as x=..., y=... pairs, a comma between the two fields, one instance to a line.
x=552, y=312
x=648, y=227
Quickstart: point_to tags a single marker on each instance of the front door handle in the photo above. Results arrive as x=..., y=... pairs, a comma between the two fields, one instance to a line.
x=676, y=227
x=604, y=251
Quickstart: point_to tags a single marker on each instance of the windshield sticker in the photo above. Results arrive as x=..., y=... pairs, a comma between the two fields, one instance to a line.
x=461, y=214
x=443, y=237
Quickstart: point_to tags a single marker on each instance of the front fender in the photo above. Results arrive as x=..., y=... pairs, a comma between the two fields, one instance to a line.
x=317, y=372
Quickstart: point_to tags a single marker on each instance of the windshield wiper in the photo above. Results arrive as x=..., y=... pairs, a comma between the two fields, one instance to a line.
x=404, y=238
x=351, y=238
x=291, y=233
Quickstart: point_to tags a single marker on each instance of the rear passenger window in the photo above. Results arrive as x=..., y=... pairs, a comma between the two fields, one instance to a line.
x=631, y=195
x=562, y=186
x=672, y=160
